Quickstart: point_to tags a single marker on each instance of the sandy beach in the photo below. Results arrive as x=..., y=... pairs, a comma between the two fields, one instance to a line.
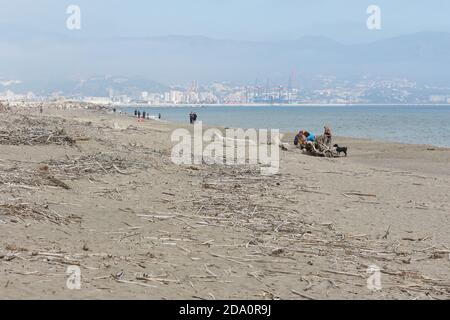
x=96, y=190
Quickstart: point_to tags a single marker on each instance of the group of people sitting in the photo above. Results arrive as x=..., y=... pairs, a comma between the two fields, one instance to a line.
x=304, y=137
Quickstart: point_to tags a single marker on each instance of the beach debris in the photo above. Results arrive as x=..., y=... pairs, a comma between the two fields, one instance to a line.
x=35, y=136
x=319, y=149
x=119, y=275
x=26, y=178
x=386, y=235
x=98, y=163
x=24, y=211
x=359, y=194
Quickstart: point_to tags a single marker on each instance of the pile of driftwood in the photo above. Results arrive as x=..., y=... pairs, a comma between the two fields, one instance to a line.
x=35, y=136
x=319, y=149
x=30, y=179
x=24, y=211
x=98, y=163
x=55, y=172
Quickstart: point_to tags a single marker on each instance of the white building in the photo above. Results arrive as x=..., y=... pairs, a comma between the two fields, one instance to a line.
x=438, y=99
x=176, y=97
x=98, y=100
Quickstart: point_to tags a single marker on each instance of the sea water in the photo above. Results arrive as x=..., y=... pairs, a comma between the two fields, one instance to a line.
x=406, y=124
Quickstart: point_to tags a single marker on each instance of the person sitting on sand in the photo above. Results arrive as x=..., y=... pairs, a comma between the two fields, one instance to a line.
x=298, y=138
x=301, y=139
x=309, y=136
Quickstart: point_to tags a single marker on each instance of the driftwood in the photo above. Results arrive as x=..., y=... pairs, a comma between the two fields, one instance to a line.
x=274, y=239
x=34, y=136
x=24, y=211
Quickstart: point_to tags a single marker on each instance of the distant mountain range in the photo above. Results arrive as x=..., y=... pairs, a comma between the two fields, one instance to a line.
x=47, y=61
x=95, y=86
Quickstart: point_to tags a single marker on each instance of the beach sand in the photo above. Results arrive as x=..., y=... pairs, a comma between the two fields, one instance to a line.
x=101, y=193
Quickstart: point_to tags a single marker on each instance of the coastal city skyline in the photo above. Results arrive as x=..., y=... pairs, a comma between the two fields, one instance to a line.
x=324, y=89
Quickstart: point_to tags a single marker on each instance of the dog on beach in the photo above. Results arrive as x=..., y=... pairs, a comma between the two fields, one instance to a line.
x=340, y=150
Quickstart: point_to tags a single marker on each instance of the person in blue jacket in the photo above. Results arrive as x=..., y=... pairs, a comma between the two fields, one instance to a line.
x=309, y=136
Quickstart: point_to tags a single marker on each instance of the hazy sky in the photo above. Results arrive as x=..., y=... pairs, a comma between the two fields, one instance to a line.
x=233, y=19
x=35, y=44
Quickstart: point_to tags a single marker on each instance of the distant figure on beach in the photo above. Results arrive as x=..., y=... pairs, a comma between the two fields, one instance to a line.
x=135, y=113
x=191, y=118
x=328, y=137
x=139, y=114
x=41, y=109
x=195, y=117
x=159, y=116
x=143, y=115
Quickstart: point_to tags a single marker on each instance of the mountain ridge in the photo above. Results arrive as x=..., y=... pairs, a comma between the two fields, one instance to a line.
x=421, y=57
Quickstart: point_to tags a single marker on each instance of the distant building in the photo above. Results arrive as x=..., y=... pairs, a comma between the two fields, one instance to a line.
x=98, y=100
x=438, y=99
x=176, y=97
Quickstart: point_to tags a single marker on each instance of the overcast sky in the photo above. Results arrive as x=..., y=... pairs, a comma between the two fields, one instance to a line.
x=233, y=19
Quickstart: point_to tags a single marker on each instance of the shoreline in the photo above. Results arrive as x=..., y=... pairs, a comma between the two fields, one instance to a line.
x=121, y=105
x=395, y=148
x=291, y=134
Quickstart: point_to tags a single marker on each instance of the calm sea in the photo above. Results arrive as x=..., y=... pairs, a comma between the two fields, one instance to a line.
x=407, y=124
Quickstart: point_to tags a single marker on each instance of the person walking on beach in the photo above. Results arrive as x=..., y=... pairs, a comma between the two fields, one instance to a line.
x=143, y=115
x=191, y=118
x=195, y=117
x=159, y=116
x=135, y=113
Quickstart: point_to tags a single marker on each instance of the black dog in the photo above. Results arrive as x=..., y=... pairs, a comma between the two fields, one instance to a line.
x=340, y=150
